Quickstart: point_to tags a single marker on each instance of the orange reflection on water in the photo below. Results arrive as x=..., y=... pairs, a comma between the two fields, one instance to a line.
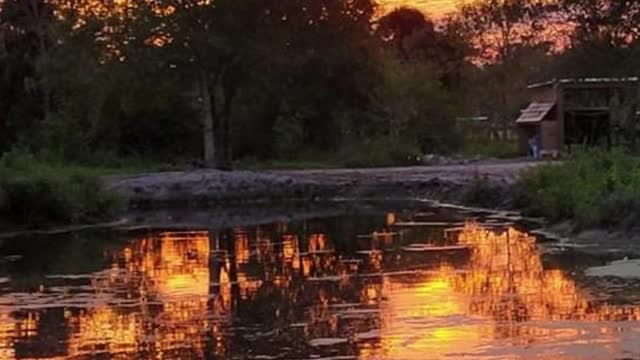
x=105, y=330
x=173, y=270
x=242, y=251
x=419, y=319
x=503, y=292
x=505, y=279
x=8, y=329
x=317, y=243
x=174, y=295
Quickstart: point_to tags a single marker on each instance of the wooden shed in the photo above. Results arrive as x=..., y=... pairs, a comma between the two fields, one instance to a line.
x=586, y=111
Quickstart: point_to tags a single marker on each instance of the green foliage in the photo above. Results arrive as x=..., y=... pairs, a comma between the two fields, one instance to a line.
x=482, y=192
x=289, y=137
x=413, y=105
x=286, y=77
x=384, y=151
x=34, y=193
x=378, y=152
x=283, y=77
x=593, y=187
x=493, y=149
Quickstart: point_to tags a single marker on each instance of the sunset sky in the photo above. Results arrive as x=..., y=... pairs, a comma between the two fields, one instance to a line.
x=431, y=7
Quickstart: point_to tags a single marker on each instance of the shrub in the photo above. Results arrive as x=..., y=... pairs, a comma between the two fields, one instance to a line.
x=35, y=193
x=593, y=187
x=620, y=208
x=385, y=151
x=482, y=192
x=289, y=137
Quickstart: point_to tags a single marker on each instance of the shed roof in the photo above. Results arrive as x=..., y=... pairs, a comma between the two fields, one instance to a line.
x=535, y=112
x=590, y=80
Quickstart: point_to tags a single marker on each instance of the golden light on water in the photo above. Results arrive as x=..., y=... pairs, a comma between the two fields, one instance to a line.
x=8, y=327
x=177, y=292
x=411, y=306
x=173, y=268
x=503, y=288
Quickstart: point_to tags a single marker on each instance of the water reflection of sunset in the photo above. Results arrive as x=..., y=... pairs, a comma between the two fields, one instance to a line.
x=173, y=269
x=420, y=318
x=503, y=293
x=180, y=294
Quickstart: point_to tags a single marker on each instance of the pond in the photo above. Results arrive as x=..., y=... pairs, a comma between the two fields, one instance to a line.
x=420, y=283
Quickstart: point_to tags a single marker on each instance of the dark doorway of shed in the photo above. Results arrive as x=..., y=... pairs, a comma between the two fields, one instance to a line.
x=588, y=128
x=526, y=132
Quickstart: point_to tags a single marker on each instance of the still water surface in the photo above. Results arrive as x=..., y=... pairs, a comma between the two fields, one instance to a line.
x=426, y=283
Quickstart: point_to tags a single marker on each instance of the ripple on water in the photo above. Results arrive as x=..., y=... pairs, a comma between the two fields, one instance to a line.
x=338, y=288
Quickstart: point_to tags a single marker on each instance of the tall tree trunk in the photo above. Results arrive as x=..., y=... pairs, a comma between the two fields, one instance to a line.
x=226, y=146
x=44, y=81
x=38, y=26
x=207, y=122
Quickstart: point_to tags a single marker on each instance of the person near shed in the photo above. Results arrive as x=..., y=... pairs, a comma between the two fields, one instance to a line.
x=534, y=147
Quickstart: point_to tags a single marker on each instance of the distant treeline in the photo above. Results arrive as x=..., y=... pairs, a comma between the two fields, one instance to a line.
x=94, y=82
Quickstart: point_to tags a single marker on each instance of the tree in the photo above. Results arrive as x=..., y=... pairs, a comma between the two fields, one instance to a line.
x=232, y=46
x=324, y=65
x=612, y=22
x=305, y=75
x=401, y=23
x=26, y=24
x=497, y=28
x=605, y=38
x=503, y=33
x=498, y=89
x=204, y=41
x=414, y=105
x=416, y=38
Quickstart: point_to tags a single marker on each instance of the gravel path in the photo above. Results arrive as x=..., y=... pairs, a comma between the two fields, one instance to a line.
x=213, y=187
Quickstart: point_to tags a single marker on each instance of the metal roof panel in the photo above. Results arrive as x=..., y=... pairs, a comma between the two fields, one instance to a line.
x=535, y=112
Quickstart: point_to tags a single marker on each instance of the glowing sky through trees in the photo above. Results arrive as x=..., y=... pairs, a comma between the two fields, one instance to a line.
x=434, y=8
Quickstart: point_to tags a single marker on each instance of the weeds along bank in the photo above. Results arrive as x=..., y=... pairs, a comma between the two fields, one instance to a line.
x=33, y=193
x=593, y=188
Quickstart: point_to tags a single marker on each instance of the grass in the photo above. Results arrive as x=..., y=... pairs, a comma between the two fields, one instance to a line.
x=592, y=188
x=34, y=193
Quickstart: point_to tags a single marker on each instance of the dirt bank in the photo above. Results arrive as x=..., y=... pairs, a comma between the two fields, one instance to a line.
x=212, y=187
x=614, y=243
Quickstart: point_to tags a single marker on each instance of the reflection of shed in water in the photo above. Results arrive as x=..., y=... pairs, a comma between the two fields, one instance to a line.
x=588, y=111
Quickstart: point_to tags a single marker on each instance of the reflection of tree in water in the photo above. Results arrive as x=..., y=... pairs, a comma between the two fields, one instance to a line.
x=163, y=288
x=179, y=293
x=501, y=292
x=506, y=280
x=175, y=292
x=13, y=327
